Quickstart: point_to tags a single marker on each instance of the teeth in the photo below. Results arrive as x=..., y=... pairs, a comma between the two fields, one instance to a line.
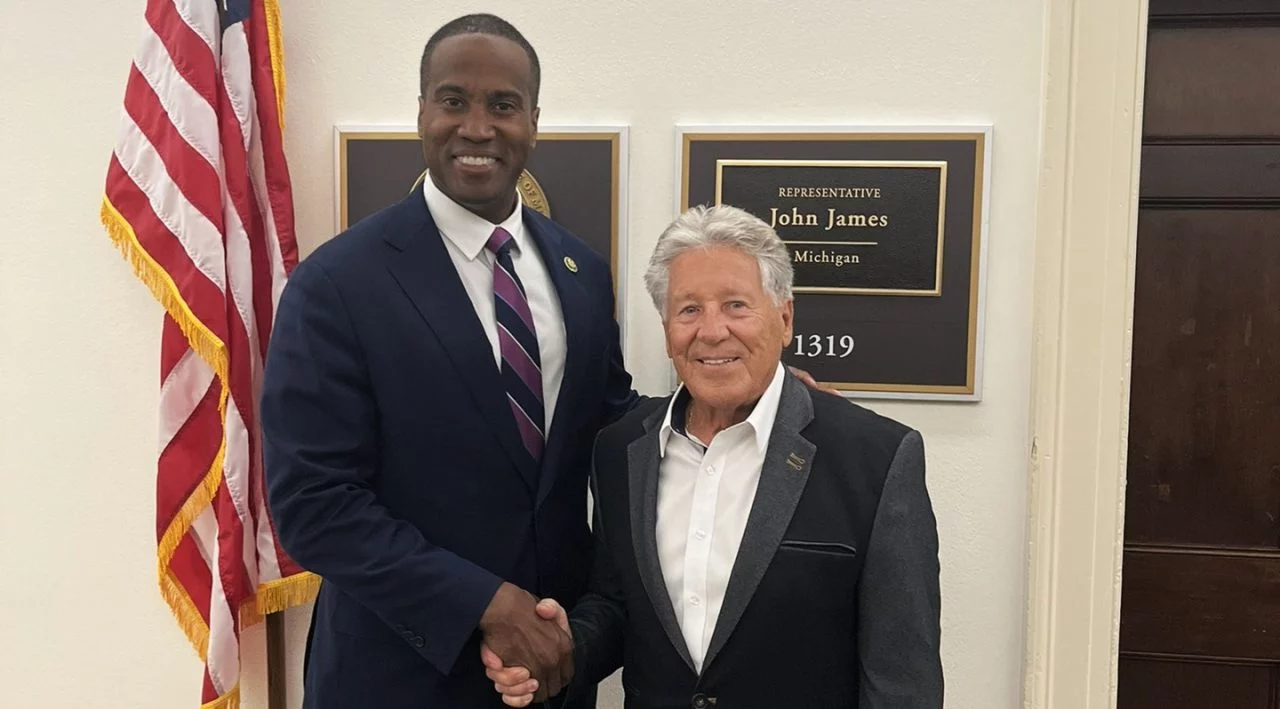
x=717, y=361
x=474, y=161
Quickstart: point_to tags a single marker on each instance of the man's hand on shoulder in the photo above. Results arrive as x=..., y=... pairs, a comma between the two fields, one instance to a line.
x=529, y=642
x=808, y=380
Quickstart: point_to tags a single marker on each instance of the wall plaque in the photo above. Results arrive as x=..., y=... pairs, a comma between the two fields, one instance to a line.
x=885, y=229
x=576, y=175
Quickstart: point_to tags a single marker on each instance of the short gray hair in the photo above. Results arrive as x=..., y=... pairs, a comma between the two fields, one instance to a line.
x=721, y=225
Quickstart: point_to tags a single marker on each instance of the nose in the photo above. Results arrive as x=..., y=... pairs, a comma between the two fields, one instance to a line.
x=476, y=125
x=713, y=327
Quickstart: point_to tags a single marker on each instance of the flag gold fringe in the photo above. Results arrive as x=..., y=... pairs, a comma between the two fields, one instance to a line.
x=184, y=609
x=208, y=346
x=279, y=595
x=282, y=594
x=200, y=499
x=272, y=10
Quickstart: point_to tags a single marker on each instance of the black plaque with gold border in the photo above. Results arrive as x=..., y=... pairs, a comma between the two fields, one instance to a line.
x=886, y=233
x=575, y=175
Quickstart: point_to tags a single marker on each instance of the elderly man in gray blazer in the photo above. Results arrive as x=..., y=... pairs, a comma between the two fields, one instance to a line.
x=758, y=544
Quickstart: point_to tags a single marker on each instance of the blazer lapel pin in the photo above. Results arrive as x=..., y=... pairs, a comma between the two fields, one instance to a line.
x=795, y=462
x=570, y=264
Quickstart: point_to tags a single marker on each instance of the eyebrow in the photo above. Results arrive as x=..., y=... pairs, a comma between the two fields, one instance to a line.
x=448, y=89
x=507, y=95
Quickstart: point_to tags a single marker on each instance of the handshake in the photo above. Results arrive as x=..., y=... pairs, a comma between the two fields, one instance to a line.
x=528, y=647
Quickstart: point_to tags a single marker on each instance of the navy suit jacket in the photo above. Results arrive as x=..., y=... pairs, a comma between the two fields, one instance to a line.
x=394, y=467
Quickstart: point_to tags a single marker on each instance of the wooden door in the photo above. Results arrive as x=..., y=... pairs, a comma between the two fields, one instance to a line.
x=1200, y=613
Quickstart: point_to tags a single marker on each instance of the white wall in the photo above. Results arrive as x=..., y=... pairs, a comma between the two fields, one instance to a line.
x=83, y=622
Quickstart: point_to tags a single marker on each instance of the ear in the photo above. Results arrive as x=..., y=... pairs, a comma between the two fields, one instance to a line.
x=788, y=313
x=422, y=116
x=534, y=142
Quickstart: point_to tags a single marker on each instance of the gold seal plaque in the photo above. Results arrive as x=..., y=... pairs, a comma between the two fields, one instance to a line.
x=530, y=192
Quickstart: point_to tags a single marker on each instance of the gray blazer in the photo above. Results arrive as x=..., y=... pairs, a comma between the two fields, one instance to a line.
x=833, y=600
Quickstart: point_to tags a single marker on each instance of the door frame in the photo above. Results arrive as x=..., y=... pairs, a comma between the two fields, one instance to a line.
x=1086, y=241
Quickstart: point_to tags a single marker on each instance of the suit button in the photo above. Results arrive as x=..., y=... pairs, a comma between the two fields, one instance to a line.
x=700, y=701
x=419, y=642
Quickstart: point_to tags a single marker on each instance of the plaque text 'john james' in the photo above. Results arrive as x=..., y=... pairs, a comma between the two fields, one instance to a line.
x=851, y=226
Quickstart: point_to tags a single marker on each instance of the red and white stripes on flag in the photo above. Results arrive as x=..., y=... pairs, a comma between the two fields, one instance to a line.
x=198, y=199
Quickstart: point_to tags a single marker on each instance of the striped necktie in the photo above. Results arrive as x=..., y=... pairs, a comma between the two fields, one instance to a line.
x=518, y=342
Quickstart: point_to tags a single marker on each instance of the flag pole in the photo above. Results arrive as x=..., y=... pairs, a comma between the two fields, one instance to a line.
x=277, y=694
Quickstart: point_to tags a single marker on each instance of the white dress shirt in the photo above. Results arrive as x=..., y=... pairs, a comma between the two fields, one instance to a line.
x=705, y=493
x=465, y=235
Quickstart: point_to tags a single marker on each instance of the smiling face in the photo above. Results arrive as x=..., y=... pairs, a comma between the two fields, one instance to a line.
x=725, y=335
x=478, y=122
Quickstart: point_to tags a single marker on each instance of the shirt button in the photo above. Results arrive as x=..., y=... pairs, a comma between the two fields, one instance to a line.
x=695, y=601
x=700, y=534
x=711, y=470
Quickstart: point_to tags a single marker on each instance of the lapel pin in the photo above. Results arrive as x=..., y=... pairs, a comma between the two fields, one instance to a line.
x=795, y=462
x=570, y=264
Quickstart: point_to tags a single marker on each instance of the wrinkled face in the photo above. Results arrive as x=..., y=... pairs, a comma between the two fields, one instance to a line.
x=477, y=121
x=725, y=335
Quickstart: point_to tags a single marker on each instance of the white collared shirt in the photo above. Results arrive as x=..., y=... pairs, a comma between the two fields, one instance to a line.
x=465, y=235
x=705, y=494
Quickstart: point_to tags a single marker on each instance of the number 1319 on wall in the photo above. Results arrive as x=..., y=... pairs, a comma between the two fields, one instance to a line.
x=823, y=345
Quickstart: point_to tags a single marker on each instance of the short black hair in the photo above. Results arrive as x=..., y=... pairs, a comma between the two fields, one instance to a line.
x=480, y=23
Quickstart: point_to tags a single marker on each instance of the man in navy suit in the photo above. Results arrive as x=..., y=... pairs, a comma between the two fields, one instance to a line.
x=436, y=377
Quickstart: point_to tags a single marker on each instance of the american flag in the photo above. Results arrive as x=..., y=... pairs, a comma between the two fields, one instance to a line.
x=199, y=201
